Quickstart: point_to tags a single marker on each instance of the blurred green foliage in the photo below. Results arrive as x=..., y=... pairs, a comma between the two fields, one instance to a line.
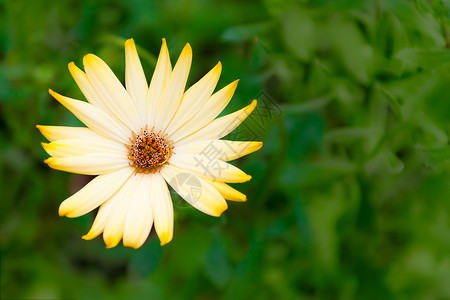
x=350, y=193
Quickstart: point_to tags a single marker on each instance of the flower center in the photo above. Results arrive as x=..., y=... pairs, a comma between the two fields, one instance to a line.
x=149, y=151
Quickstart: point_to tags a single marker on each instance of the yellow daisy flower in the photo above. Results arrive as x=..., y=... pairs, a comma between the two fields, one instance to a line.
x=139, y=137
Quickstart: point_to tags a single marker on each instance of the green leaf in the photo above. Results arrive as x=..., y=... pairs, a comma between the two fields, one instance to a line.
x=298, y=31
x=356, y=55
x=146, y=259
x=395, y=105
x=438, y=156
x=241, y=33
x=217, y=266
x=413, y=58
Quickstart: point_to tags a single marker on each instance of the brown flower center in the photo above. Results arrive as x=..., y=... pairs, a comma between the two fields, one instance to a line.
x=149, y=151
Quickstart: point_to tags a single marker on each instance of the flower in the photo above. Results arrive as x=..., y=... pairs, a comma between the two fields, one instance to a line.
x=139, y=138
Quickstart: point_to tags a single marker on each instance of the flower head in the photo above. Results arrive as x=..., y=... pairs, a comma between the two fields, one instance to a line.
x=139, y=138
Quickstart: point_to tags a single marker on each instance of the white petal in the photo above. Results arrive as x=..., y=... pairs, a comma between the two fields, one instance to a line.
x=210, y=110
x=219, y=127
x=93, y=118
x=139, y=219
x=209, y=168
x=101, y=218
x=162, y=208
x=97, y=191
x=112, y=92
x=228, y=192
x=53, y=133
x=195, y=190
x=159, y=81
x=76, y=147
x=219, y=149
x=195, y=98
x=115, y=224
x=91, y=164
x=86, y=87
x=135, y=79
x=173, y=91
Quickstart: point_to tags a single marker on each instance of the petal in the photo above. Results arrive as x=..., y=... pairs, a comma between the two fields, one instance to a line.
x=195, y=190
x=195, y=97
x=53, y=133
x=212, y=108
x=219, y=149
x=114, y=227
x=97, y=191
x=76, y=147
x=111, y=91
x=162, y=208
x=220, y=127
x=135, y=79
x=86, y=87
x=101, y=218
x=228, y=192
x=139, y=219
x=209, y=168
x=159, y=81
x=173, y=91
x=93, y=118
x=91, y=164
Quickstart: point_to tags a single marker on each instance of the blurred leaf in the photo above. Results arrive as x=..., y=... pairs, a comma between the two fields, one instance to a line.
x=417, y=20
x=217, y=267
x=298, y=30
x=393, y=102
x=355, y=53
x=243, y=33
x=414, y=57
x=438, y=156
x=146, y=260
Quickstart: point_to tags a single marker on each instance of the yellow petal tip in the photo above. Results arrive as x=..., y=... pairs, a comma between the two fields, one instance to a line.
x=131, y=245
x=259, y=146
x=111, y=244
x=73, y=69
x=187, y=50
x=61, y=211
x=47, y=147
x=130, y=43
x=55, y=95
x=90, y=235
x=220, y=211
x=233, y=86
x=89, y=58
x=165, y=238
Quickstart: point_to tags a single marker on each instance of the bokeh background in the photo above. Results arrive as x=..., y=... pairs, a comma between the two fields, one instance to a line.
x=350, y=196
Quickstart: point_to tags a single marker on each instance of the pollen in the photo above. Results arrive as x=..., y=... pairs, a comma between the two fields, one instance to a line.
x=149, y=151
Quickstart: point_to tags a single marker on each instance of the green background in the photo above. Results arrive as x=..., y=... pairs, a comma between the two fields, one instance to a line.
x=350, y=193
